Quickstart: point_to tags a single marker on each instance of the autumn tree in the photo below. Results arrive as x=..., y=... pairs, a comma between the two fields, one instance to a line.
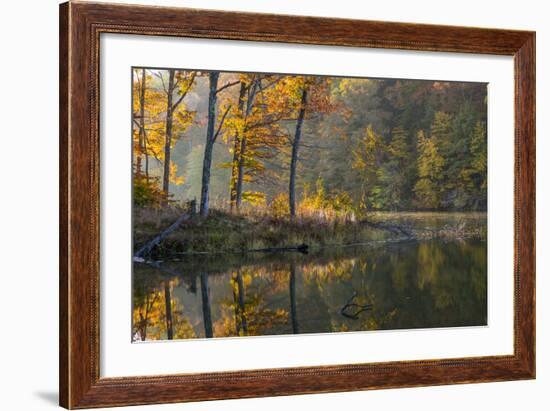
x=148, y=137
x=478, y=150
x=282, y=132
x=149, y=104
x=139, y=119
x=254, y=126
x=430, y=165
x=249, y=85
x=305, y=97
x=395, y=170
x=367, y=158
x=472, y=178
x=295, y=148
x=445, y=144
x=211, y=136
x=177, y=85
x=237, y=127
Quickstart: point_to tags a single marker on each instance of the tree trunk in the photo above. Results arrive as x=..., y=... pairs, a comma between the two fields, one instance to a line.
x=294, y=158
x=168, y=135
x=146, y=157
x=145, y=152
x=242, y=153
x=236, y=152
x=168, y=305
x=209, y=143
x=240, y=174
x=141, y=121
x=292, y=289
x=206, y=312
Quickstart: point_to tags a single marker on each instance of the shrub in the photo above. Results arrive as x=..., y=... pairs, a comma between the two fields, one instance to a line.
x=147, y=192
x=279, y=205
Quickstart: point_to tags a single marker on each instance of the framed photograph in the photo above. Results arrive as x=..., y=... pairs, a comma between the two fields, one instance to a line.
x=259, y=205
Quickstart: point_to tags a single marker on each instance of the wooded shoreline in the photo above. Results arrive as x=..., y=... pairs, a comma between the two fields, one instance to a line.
x=235, y=140
x=192, y=235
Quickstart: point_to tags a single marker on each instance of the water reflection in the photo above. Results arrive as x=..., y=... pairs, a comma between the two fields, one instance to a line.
x=393, y=286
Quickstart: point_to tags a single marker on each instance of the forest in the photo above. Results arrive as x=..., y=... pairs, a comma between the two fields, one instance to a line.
x=280, y=203
x=301, y=150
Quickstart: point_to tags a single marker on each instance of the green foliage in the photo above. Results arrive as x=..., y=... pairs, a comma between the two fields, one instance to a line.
x=397, y=171
x=478, y=150
x=386, y=172
x=441, y=131
x=430, y=166
x=368, y=158
x=426, y=194
x=472, y=179
x=386, y=169
x=452, y=165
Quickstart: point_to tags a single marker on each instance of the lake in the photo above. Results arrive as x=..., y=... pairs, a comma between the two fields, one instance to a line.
x=380, y=286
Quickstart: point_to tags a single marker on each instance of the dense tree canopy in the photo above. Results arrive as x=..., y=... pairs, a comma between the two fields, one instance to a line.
x=232, y=140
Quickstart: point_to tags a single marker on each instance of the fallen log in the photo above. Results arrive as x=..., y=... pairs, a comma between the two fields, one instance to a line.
x=148, y=247
x=302, y=248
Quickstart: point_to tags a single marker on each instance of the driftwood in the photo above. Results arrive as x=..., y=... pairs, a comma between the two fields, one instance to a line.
x=146, y=249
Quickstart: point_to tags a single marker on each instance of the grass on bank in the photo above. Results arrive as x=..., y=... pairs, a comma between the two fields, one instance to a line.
x=223, y=231
x=228, y=232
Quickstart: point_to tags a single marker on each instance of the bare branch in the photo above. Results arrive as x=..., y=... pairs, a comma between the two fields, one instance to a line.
x=227, y=85
x=159, y=75
x=185, y=92
x=137, y=123
x=221, y=124
x=271, y=83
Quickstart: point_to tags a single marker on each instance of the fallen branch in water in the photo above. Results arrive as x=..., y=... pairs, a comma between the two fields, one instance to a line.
x=302, y=248
x=354, y=315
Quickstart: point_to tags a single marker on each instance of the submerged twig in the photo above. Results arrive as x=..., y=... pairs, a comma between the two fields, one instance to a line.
x=358, y=309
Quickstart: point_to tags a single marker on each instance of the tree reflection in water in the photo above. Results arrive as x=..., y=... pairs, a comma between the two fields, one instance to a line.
x=407, y=285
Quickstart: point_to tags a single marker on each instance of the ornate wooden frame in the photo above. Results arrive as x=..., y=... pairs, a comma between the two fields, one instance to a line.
x=80, y=27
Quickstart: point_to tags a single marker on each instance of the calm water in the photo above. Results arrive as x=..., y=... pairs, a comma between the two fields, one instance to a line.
x=380, y=287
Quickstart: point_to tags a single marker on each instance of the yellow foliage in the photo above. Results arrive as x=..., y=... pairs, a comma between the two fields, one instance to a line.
x=174, y=178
